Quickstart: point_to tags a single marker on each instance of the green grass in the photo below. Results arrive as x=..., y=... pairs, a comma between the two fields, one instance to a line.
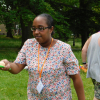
x=6, y=42
x=87, y=82
x=88, y=87
x=9, y=47
x=77, y=43
x=14, y=87
x=9, y=53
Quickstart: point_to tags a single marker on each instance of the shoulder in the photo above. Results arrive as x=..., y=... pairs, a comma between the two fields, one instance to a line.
x=63, y=45
x=88, y=41
x=29, y=42
x=91, y=38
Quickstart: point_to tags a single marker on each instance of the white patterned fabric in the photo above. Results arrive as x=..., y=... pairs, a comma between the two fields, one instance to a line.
x=59, y=64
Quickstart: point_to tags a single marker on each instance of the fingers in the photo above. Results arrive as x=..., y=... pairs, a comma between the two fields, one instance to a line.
x=5, y=61
x=7, y=65
x=85, y=66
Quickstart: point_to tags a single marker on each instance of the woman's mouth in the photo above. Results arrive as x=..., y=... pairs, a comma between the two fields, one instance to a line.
x=37, y=37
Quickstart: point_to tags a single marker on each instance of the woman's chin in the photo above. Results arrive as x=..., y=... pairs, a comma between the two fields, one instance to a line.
x=39, y=40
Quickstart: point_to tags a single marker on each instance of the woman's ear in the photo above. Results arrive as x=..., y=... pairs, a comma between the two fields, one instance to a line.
x=51, y=29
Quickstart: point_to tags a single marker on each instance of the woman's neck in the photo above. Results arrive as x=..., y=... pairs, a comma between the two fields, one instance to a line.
x=47, y=43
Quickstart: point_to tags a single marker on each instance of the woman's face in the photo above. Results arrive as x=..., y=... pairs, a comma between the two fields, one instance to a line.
x=41, y=35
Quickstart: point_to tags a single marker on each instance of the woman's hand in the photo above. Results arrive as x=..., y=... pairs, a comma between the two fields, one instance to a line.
x=6, y=65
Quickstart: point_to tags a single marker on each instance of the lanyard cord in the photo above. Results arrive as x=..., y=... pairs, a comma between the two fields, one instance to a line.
x=40, y=72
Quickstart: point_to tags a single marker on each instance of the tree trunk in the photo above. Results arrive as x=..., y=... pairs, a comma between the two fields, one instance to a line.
x=83, y=24
x=9, y=34
x=9, y=30
x=26, y=31
x=83, y=38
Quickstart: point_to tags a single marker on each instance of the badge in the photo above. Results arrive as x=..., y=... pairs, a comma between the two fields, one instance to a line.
x=39, y=87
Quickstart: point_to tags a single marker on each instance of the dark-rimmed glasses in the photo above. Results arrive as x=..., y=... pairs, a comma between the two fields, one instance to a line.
x=39, y=29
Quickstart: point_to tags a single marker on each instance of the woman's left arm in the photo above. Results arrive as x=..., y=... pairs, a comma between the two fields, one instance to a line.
x=78, y=85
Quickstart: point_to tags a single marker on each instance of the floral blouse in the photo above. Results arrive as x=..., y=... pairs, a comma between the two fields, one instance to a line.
x=59, y=64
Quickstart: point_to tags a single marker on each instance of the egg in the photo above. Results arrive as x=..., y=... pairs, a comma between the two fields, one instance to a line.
x=2, y=63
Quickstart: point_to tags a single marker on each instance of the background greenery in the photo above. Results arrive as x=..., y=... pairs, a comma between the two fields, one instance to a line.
x=78, y=17
x=14, y=87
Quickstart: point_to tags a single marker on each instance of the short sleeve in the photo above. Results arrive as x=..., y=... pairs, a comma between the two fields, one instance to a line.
x=70, y=61
x=21, y=57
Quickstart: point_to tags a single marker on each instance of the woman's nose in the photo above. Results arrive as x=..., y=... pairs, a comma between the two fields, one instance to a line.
x=36, y=31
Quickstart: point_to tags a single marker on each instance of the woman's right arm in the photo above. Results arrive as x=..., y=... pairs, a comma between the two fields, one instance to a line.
x=15, y=67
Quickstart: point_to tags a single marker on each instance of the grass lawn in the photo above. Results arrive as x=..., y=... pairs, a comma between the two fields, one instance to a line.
x=14, y=87
x=9, y=47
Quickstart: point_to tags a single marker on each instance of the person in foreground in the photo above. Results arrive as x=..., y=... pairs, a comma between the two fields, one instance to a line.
x=51, y=64
x=91, y=52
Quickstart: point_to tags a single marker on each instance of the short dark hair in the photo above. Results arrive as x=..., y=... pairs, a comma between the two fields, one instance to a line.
x=49, y=20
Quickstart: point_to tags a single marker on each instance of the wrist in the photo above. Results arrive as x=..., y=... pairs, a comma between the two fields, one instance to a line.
x=83, y=63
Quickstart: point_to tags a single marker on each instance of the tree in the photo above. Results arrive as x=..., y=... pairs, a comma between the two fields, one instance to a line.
x=82, y=15
x=86, y=18
x=26, y=11
x=7, y=17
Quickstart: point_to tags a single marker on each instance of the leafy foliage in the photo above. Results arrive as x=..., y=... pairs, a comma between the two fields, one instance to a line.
x=24, y=13
x=80, y=17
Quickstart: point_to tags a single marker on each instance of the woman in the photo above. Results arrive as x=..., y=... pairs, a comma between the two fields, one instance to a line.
x=51, y=64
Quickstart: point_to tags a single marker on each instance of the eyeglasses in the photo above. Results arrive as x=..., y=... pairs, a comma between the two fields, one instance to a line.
x=39, y=29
